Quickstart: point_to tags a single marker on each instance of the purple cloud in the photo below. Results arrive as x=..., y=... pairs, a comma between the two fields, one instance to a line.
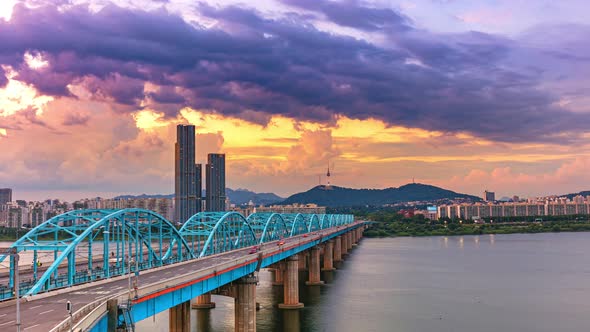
x=450, y=83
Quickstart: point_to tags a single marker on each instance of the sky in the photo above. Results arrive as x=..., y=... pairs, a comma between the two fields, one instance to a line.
x=467, y=95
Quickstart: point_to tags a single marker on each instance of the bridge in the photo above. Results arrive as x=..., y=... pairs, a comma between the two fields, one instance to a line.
x=118, y=267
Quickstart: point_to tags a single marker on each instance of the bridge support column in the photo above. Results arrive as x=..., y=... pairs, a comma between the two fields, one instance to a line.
x=344, y=244
x=291, y=288
x=314, y=268
x=180, y=317
x=328, y=256
x=203, y=302
x=302, y=265
x=245, y=304
x=278, y=274
x=338, y=249
x=349, y=241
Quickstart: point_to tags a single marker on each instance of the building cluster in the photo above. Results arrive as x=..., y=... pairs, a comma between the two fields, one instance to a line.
x=27, y=214
x=552, y=206
x=188, y=193
x=291, y=208
x=188, y=178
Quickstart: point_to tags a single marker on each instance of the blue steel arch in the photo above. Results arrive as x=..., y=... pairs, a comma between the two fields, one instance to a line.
x=324, y=221
x=148, y=239
x=258, y=221
x=297, y=223
x=221, y=231
x=275, y=228
x=61, y=229
x=131, y=228
x=314, y=223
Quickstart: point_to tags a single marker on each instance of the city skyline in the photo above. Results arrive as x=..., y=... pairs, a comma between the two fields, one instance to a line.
x=459, y=94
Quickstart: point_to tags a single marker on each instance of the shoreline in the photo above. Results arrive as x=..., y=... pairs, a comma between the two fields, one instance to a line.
x=410, y=229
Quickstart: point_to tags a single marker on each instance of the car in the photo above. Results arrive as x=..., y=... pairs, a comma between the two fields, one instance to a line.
x=304, y=235
x=253, y=250
x=281, y=243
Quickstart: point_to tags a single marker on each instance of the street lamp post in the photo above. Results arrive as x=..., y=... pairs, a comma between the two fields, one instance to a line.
x=14, y=253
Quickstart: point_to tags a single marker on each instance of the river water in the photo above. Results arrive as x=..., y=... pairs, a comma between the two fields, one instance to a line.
x=518, y=282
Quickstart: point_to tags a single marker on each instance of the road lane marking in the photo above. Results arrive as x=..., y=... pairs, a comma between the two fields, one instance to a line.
x=45, y=312
x=2, y=315
x=7, y=323
x=35, y=307
x=30, y=327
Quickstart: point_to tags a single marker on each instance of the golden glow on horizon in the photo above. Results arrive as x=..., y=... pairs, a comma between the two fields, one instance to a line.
x=243, y=139
x=16, y=96
x=148, y=119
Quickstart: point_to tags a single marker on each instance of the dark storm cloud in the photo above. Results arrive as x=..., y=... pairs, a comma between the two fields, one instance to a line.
x=450, y=83
x=3, y=79
x=354, y=14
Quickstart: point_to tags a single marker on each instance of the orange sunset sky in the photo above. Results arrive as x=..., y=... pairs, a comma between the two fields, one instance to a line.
x=287, y=88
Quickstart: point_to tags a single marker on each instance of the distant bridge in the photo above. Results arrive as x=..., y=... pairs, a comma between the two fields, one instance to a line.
x=96, y=251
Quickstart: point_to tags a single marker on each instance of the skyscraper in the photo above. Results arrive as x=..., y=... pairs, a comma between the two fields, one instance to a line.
x=5, y=195
x=215, y=182
x=489, y=196
x=187, y=174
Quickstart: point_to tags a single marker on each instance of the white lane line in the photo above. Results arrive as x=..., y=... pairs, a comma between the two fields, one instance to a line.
x=2, y=315
x=7, y=323
x=30, y=327
x=45, y=312
x=37, y=306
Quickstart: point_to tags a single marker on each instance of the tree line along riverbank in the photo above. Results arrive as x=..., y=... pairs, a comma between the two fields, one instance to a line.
x=389, y=224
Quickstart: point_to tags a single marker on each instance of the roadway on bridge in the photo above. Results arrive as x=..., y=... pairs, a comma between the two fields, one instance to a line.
x=45, y=313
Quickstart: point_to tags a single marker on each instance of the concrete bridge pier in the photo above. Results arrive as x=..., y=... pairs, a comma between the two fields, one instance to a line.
x=343, y=245
x=349, y=241
x=245, y=304
x=338, y=249
x=302, y=265
x=329, y=256
x=291, y=285
x=203, y=302
x=180, y=317
x=278, y=274
x=314, y=268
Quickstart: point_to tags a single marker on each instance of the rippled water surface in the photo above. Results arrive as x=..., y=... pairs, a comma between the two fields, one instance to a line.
x=520, y=282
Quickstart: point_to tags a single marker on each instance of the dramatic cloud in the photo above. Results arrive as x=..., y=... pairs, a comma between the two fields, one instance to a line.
x=452, y=83
x=285, y=89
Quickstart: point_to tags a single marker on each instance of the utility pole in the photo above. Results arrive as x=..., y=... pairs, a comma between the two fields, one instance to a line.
x=16, y=288
x=13, y=252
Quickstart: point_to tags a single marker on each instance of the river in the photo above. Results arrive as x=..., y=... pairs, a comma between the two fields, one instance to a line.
x=516, y=282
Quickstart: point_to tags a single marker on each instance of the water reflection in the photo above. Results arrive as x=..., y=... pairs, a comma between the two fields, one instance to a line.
x=291, y=321
x=203, y=321
x=425, y=287
x=328, y=277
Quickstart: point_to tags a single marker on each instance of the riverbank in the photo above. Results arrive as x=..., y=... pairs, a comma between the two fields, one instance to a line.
x=410, y=228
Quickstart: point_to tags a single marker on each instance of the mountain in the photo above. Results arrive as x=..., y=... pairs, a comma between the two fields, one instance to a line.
x=338, y=196
x=243, y=196
x=581, y=193
x=238, y=197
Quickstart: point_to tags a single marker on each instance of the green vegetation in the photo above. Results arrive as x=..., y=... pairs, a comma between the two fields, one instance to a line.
x=334, y=196
x=389, y=223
